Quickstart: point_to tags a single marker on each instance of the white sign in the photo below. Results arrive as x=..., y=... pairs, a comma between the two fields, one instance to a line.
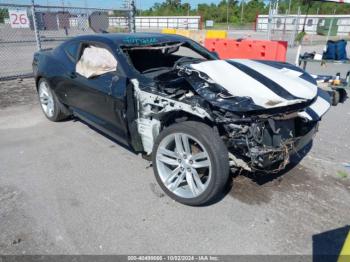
x=209, y=23
x=19, y=18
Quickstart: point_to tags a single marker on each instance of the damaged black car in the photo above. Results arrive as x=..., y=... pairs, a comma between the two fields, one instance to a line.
x=194, y=115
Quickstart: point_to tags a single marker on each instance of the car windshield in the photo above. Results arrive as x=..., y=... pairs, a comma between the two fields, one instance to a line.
x=152, y=60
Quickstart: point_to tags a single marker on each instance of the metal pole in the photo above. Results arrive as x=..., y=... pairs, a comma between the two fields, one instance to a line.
x=269, y=20
x=300, y=43
x=314, y=32
x=242, y=11
x=289, y=5
x=285, y=22
x=227, y=14
x=330, y=25
x=132, y=24
x=35, y=25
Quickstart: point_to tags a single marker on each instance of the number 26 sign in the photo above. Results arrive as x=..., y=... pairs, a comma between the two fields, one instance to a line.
x=19, y=18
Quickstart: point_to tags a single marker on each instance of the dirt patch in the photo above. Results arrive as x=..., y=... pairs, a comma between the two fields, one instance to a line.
x=256, y=189
x=17, y=92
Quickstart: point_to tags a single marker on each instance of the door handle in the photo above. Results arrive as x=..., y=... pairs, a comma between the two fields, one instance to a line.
x=72, y=75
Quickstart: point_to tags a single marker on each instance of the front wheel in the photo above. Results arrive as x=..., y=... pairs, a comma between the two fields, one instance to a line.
x=191, y=163
x=53, y=109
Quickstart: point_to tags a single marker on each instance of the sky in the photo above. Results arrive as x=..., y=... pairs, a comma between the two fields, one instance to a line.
x=140, y=4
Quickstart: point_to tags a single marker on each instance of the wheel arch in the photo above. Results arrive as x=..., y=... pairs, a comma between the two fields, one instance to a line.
x=37, y=80
x=173, y=117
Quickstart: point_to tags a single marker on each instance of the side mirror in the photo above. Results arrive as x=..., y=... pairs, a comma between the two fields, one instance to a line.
x=215, y=54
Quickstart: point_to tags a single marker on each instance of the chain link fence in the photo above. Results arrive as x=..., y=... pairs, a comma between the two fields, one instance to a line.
x=318, y=28
x=24, y=29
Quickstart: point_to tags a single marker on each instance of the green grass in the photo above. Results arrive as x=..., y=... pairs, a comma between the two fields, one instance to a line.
x=342, y=174
x=223, y=26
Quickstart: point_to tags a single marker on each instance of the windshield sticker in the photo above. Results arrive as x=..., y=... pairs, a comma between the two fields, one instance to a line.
x=140, y=41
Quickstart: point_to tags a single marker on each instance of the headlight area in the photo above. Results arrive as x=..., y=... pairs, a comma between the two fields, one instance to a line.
x=266, y=144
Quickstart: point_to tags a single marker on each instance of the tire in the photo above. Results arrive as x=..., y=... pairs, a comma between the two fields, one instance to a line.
x=335, y=98
x=342, y=95
x=205, y=158
x=52, y=108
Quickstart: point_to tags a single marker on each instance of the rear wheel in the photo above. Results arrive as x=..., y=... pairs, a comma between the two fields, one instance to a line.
x=51, y=106
x=191, y=163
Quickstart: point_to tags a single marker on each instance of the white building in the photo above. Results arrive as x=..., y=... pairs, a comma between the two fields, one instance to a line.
x=286, y=23
x=152, y=22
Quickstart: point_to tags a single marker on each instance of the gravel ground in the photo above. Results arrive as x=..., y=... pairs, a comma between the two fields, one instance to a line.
x=65, y=189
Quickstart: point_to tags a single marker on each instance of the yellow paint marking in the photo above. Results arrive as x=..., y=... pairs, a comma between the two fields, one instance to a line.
x=345, y=252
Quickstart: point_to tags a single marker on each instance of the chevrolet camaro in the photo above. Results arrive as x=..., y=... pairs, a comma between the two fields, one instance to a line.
x=195, y=116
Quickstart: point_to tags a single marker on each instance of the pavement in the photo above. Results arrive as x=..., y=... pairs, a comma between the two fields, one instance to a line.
x=66, y=189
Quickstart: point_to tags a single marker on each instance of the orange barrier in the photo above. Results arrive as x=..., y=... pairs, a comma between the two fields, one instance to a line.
x=247, y=48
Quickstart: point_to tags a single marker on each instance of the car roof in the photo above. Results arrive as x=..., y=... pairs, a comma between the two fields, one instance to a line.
x=132, y=39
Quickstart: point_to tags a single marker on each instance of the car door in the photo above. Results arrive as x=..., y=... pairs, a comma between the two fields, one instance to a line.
x=100, y=99
x=64, y=82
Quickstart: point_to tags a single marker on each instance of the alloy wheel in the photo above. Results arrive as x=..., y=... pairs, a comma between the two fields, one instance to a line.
x=46, y=99
x=183, y=165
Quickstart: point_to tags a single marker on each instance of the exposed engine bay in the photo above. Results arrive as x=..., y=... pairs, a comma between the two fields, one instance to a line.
x=263, y=111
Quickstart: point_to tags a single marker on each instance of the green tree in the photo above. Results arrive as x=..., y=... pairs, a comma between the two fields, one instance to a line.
x=322, y=7
x=3, y=14
x=252, y=9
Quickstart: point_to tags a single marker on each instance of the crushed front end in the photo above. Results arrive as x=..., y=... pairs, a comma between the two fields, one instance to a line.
x=264, y=111
x=262, y=143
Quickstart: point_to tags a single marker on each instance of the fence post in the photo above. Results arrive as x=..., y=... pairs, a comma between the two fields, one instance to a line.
x=330, y=26
x=35, y=25
x=132, y=22
x=300, y=41
x=269, y=21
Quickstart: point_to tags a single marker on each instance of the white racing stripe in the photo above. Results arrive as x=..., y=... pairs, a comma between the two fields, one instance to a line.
x=303, y=114
x=319, y=107
x=287, y=78
x=238, y=83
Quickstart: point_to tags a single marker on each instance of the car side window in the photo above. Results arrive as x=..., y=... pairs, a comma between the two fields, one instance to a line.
x=72, y=50
x=95, y=61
